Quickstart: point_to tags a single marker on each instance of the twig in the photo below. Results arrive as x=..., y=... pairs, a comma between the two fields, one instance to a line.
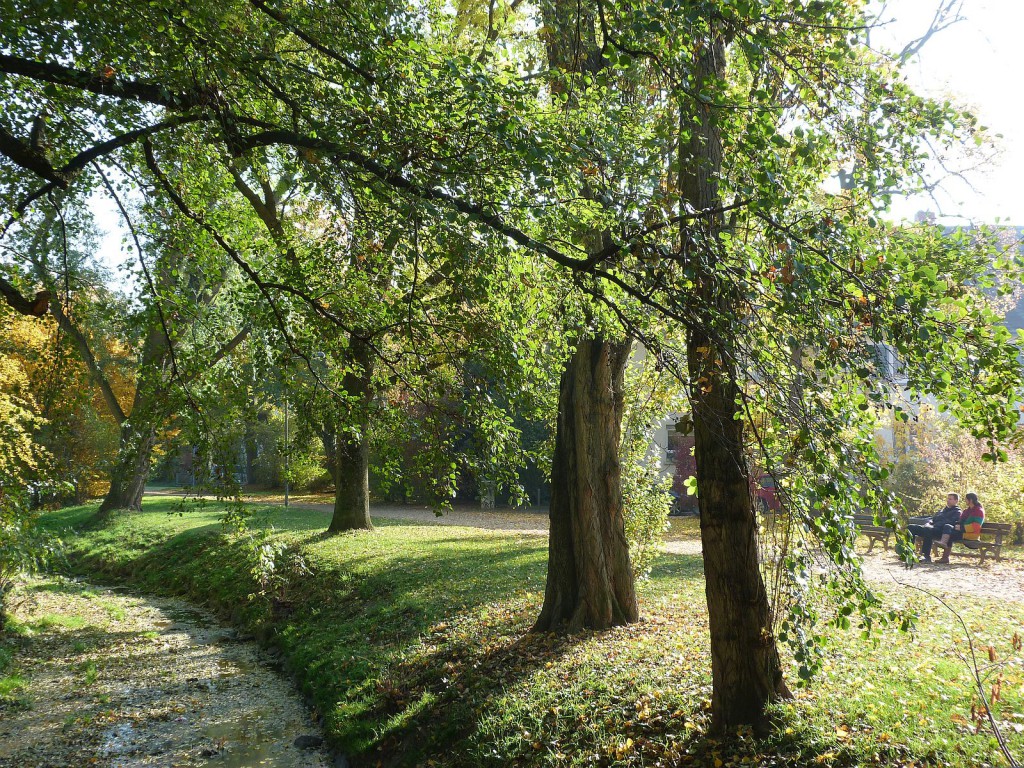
x=973, y=667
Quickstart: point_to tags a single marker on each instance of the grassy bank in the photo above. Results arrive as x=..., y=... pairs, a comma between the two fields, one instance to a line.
x=413, y=643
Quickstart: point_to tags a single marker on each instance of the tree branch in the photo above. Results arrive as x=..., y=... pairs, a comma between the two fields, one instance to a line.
x=36, y=307
x=29, y=158
x=104, y=84
x=72, y=330
x=283, y=20
x=88, y=156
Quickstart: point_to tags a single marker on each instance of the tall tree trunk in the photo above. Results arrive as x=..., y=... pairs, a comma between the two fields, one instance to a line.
x=352, y=458
x=590, y=579
x=745, y=666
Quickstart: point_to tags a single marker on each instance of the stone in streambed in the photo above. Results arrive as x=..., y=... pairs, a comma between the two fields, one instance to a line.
x=308, y=741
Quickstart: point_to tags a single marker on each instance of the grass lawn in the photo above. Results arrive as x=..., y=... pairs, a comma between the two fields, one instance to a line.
x=413, y=643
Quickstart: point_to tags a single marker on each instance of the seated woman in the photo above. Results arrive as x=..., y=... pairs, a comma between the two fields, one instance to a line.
x=969, y=527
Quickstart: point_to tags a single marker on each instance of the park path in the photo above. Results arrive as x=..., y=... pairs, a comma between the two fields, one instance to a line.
x=117, y=680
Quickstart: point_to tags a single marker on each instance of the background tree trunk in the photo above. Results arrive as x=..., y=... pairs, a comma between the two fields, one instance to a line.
x=352, y=458
x=745, y=665
x=150, y=407
x=590, y=578
x=352, y=487
x=129, y=475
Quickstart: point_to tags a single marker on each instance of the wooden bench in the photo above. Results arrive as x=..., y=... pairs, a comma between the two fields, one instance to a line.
x=992, y=535
x=867, y=526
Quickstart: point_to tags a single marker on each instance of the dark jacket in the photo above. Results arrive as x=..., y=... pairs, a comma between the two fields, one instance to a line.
x=945, y=516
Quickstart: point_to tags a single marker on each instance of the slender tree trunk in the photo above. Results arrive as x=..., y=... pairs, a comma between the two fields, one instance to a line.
x=352, y=457
x=251, y=452
x=329, y=438
x=746, y=670
x=590, y=579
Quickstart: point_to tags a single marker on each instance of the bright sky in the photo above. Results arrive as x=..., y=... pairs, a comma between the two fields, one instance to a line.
x=977, y=62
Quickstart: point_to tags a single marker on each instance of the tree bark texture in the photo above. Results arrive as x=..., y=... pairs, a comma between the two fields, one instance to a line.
x=138, y=430
x=352, y=456
x=746, y=670
x=129, y=475
x=590, y=578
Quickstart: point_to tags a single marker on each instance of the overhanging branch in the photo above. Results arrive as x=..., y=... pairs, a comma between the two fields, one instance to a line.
x=36, y=307
x=105, y=83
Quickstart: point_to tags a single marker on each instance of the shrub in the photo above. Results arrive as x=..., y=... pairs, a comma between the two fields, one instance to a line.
x=651, y=396
x=942, y=457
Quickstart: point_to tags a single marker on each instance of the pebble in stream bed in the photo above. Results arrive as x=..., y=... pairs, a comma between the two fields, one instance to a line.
x=122, y=681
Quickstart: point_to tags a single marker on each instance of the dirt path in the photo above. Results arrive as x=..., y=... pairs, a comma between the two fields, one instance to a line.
x=110, y=679
x=962, y=577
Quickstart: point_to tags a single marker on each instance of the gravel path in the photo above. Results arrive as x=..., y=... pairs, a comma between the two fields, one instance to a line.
x=962, y=577
x=120, y=681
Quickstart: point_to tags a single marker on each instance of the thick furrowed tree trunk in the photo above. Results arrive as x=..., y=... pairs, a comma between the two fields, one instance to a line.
x=590, y=578
x=352, y=457
x=352, y=487
x=745, y=666
x=128, y=477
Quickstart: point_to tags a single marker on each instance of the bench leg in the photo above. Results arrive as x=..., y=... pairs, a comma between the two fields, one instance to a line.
x=871, y=544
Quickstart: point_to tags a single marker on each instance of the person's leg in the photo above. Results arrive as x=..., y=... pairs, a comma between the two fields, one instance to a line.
x=950, y=533
x=926, y=533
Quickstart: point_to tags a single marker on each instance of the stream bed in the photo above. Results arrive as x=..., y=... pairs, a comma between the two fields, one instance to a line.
x=101, y=677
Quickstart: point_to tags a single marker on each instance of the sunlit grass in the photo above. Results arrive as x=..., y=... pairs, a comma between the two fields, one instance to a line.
x=414, y=643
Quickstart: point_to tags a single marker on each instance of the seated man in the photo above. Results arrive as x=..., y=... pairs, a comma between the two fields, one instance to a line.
x=969, y=526
x=933, y=529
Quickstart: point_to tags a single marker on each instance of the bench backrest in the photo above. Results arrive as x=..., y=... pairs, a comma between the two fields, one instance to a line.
x=996, y=530
x=868, y=522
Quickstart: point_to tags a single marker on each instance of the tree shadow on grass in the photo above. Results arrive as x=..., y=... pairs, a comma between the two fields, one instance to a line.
x=427, y=706
x=404, y=639
x=799, y=748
